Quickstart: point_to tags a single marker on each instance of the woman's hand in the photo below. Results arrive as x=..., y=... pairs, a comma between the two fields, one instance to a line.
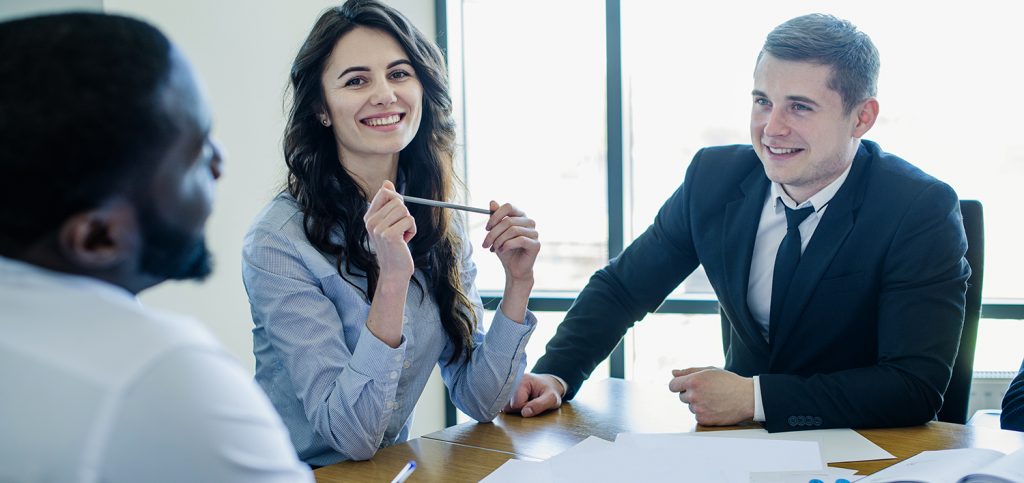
x=390, y=227
x=513, y=237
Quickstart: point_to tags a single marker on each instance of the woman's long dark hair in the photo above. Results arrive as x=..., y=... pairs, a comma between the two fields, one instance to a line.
x=329, y=197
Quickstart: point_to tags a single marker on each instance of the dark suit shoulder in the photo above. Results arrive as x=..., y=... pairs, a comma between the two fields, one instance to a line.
x=719, y=170
x=899, y=179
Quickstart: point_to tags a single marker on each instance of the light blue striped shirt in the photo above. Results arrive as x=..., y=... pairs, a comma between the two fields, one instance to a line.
x=342, y=392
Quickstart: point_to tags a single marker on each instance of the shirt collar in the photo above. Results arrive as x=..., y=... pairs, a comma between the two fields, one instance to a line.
x=817, y=201
x=16, y=271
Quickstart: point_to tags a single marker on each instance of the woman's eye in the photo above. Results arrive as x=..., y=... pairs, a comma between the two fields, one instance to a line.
x=355, y=81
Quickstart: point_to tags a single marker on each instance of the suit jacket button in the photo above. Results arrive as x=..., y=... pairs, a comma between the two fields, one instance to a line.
x=792, y=420
x=817, y=420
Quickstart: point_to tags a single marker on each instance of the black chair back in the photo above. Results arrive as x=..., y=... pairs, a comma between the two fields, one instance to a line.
x=958, y=394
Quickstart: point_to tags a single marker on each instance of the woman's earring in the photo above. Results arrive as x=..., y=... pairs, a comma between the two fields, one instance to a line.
x=325, y=121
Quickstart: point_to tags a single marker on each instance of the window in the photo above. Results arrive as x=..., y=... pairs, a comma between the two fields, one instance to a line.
x=535, y=129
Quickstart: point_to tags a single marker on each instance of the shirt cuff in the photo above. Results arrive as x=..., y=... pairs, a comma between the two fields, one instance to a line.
x=758, y=406
x=377, y=360
x=508, y=337
x=565, y=387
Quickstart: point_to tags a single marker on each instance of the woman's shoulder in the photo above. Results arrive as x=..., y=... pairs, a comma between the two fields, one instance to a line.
x=281, y=216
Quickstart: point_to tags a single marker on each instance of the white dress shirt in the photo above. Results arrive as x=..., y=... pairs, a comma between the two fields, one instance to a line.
x=770, y=232
x=97, y=387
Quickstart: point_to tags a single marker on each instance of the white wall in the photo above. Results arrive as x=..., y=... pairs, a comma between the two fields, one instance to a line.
x=18, y=8
x=242, y=51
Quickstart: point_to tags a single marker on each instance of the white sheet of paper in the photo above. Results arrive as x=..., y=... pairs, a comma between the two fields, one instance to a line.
x=942, y=466
x=837, y=445
x=659, y=457
x=520, y=471
x=716, y=459
x=828, y=474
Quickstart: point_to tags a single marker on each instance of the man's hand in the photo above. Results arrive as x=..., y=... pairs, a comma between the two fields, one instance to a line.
x=718, y=397
x=536, y=394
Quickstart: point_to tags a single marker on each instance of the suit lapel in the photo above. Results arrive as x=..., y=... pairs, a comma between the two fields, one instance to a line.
x=832, y=230
x=741, y=219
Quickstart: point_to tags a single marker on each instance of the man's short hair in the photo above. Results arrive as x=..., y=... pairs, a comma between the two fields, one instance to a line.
x=827, y=40
x=81, y=117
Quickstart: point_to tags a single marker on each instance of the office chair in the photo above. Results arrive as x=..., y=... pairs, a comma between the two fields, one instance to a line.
x=954, y=404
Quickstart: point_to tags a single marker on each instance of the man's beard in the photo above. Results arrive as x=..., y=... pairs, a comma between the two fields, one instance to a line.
x=170, y=252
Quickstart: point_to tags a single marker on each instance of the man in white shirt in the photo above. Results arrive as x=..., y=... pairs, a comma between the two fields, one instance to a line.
x=108, y=178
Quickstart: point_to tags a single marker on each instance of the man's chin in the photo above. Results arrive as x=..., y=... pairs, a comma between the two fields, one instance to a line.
x=194, y=263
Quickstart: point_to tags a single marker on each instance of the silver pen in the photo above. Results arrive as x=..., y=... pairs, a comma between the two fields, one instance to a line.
x=442, y=204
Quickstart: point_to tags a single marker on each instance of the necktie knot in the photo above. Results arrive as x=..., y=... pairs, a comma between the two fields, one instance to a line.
x=795, y=217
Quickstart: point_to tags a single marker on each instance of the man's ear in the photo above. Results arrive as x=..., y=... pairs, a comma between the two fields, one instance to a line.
x=867, y=114
x=102, y=238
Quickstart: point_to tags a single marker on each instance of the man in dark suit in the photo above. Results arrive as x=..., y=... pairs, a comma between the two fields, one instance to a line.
x=1013, y=404
x=839, y=268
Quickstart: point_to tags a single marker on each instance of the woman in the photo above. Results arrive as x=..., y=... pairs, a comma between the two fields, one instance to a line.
x=354, y=295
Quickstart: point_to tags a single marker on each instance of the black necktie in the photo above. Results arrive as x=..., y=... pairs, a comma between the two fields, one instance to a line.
x=786, y=261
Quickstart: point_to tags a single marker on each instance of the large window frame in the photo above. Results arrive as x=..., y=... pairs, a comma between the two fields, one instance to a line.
x=449, y=26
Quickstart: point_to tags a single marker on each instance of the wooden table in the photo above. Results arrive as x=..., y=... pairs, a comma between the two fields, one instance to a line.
x=470, y=451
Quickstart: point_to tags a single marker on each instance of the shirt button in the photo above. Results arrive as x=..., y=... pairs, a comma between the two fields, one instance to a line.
x=398, y=357
x=406, y=364
x=393, y=375
x=405, y=319
x=390, y=405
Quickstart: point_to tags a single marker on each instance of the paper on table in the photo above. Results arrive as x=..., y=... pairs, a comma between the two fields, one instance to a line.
x=828, y=474
x=837, y=445
x=518, y=471
x=726, y=459
x=955, y=465
x=641, y=457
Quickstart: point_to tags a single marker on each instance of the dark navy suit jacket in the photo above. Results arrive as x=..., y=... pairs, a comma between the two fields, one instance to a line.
x=1013, y=404
x=873, y=316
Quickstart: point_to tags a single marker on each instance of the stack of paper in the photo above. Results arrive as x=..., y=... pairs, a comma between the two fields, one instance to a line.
x=837, y=445
x=650, y=457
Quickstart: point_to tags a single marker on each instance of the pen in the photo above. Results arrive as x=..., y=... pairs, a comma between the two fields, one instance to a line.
x=442, y=204
x=402, y=475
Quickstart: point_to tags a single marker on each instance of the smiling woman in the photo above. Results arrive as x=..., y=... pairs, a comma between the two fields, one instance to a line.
x=373, y=101
x=354, y=296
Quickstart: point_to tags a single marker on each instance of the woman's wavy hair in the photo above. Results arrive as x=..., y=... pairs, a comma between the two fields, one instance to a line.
x=330, y=198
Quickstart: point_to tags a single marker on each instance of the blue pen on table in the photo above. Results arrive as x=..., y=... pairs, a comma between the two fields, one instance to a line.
x=402, y=475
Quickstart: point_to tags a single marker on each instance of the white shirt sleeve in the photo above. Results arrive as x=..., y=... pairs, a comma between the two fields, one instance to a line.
x=758, y=405
x=195, y=415
x=565, y=387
